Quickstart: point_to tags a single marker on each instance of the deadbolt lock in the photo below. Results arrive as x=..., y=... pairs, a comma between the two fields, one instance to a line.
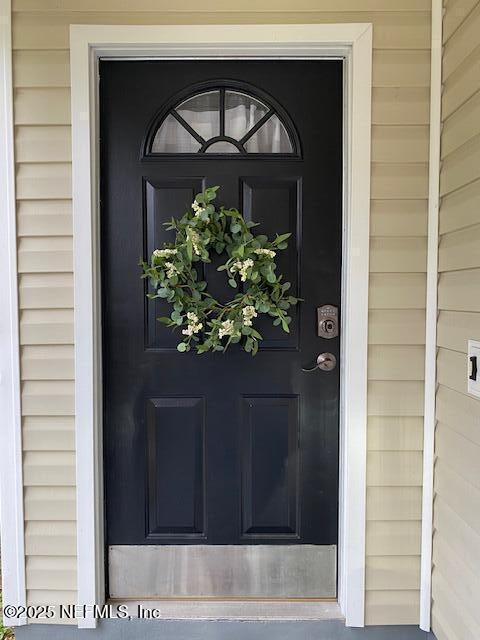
x=327, y=321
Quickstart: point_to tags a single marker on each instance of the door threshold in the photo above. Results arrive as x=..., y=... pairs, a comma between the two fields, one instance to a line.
x=230, y=609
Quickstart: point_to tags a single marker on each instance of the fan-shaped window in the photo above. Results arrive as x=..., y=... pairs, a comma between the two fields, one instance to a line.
x=222, y=121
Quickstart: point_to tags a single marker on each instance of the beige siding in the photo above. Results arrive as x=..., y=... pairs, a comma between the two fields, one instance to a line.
x=401, y=72
x=456, y=552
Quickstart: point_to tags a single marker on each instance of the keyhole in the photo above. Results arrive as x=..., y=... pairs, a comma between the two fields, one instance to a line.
x=328, y=326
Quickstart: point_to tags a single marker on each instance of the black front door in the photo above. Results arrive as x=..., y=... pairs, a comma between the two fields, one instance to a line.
x=220, y=449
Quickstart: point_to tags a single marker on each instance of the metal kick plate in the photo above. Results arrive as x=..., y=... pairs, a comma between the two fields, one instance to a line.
x=223, y=571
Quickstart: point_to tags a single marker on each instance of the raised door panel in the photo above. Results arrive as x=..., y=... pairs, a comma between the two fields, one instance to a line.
x=162, y=200
x=275, y=204
x=270, y=464
x=176, y=485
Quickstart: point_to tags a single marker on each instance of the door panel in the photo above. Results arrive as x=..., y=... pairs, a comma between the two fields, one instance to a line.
x=275, y=202
x=176, y=452
x=160, y=198
x=270, y=438
x=220, y=450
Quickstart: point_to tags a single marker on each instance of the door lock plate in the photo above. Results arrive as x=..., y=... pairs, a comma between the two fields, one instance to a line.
x=327, y=321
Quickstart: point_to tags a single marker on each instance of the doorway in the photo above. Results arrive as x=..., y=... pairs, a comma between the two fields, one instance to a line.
x=221, y=471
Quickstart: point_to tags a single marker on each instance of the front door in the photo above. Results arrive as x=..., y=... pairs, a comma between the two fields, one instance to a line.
x=221, y=470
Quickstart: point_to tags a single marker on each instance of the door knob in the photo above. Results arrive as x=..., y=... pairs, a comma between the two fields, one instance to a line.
x=324, y=362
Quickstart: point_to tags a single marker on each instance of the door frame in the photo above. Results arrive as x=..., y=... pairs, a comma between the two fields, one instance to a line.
x=353, y=44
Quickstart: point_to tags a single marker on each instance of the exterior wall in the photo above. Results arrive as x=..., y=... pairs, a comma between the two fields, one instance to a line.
x=456, y=556
x=397, y=284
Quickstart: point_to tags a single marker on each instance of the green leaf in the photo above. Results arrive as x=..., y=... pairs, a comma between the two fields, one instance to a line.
x=235, y=228
x=211, y=193
x=181, y=346
x=164, y=320
x=201, y=348
x=281, y=238
x=232, y=283
x=271, y=277
x=265, y=270
x=277, y=321
x=204, y=347
x=163, y=293
x=189, y=250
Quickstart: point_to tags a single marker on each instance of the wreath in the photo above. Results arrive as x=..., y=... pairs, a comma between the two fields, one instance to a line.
x=206, y=324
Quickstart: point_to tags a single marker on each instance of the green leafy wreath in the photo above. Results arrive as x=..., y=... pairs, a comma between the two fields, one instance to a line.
x=207, y=324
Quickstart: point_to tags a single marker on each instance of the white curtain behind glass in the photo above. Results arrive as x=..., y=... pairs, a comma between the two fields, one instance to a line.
x=242, y=112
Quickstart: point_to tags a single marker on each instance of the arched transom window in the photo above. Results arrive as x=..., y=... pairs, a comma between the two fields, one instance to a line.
x=222, y=121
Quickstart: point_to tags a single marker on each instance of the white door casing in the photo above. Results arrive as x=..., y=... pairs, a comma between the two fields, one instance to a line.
x=353, y=44
x=11, y=472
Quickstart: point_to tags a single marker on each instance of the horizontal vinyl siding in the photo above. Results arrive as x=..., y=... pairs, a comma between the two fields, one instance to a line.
x=456, y=548
x=400, y=114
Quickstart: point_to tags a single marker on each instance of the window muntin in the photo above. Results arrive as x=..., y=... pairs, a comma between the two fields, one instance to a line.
x=222, y=121
x=173, y=137
x=202, y=113
x=242, y=112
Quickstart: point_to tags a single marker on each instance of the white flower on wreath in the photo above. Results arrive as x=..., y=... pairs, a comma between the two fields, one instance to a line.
x=227, y=329
x=265, y=252
x=171, y=269
x=242, y=268
x=195, y=240
x=197, y=208
x=248, y=313
x=164, y=253
x=194, y=326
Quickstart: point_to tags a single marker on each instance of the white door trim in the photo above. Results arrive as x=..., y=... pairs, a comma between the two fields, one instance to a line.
x=431, y=316
x=11, y=476
x=353, y=42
